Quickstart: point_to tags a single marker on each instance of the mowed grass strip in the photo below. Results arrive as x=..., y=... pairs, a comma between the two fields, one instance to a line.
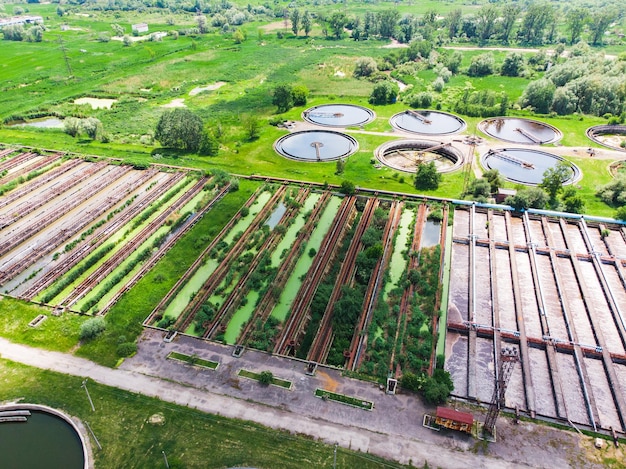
x=193, y=360
x=190, y=438
x=283, y=383
x=343, y=399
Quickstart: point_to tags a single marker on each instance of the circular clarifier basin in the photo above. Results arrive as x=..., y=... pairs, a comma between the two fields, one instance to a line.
x=407, y=155
x=316, y=145
x=525, y=166
x=45, y=438
x=425, y=122
x=520, y=130
x=611, y=136
x=338, y=115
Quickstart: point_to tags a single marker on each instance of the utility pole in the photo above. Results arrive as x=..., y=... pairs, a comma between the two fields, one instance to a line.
x=335, y=457
x=67, y=60
x=84, y=386
x=165, y=459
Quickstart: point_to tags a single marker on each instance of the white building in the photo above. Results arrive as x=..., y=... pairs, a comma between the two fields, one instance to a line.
x=21, y=20
x=139, y=28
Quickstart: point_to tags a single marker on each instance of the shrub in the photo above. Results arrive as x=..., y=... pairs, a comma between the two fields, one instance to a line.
x=126, y=349
x=427, y=177
x=266, y=378
x=481, y=65
x=91, y=328
x=384, y=92
x=365, y=67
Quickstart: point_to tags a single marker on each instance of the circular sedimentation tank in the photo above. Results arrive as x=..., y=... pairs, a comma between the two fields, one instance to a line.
x=425, y=122
x=520, y=130
x=407, y=155
x=316, y=145
x=338, y=115
x=611, y=136
x=45, y=438
x=524, y=165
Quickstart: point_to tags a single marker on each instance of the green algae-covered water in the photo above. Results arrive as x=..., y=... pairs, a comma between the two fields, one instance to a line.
x=288, y=295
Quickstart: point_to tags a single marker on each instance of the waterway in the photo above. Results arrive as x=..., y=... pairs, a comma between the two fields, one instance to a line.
x=43, y=442
x=281, y=310
x=241, y=316
x=397, y=264
x=294, y=229
x=42, y=123
x=431, y=234
x=276, y=215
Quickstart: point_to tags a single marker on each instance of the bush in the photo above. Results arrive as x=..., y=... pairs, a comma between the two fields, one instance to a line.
x=126, y=349
x=384, y=92
x=427, y=177
x=266, y=378
x=92, y=328
x=422, y=100
x=365, y=67
x=481, y=65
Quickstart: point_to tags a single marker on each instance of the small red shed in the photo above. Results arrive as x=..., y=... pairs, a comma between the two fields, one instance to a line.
x=455, y=420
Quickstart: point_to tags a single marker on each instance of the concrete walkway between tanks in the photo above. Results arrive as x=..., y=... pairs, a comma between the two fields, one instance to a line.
x=384, y=445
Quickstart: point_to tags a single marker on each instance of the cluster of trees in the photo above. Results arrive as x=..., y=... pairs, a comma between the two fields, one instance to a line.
x=434, y=389
x=91, y=126
x=182, y=129
x=584, y=83
x=285, y=96
x=17, y=32
x=550, y=193
x=614, y=194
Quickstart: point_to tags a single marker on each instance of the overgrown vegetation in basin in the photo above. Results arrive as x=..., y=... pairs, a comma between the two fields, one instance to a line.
x=343, y=399
x=193, y=360
x=126, y=317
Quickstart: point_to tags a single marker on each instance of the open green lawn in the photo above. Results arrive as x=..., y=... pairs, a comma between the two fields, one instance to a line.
x=54, y=333
x=190, y=438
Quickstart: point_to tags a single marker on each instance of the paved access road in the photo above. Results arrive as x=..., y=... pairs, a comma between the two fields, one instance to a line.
x=392, y=430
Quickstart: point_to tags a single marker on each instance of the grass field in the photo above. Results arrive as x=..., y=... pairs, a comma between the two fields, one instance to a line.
x=191, y=439
x=38, y=80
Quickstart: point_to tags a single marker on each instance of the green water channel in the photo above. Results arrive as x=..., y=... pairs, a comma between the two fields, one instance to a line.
x=147, y=243
x=182, y=298
x=123, y=232
x=398, y=261
x=245, y=222
x=295, y=227
x=443, y=310
x=244, y=314
x=282, y=308
x=241, y=317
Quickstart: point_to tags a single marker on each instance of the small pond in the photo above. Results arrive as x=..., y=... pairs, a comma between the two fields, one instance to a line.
x=42, y=123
